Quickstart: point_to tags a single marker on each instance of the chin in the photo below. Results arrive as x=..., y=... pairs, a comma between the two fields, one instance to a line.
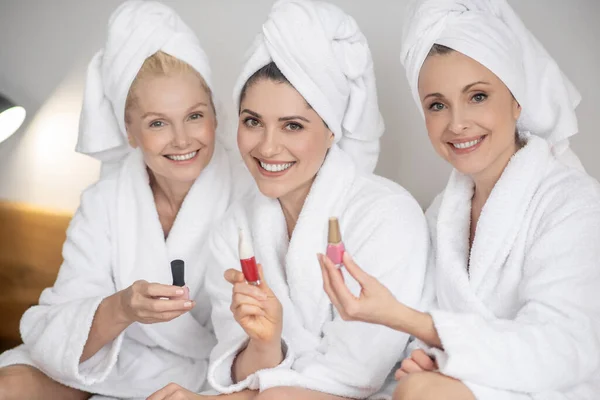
x=471, y=168
x=271, y=190
x=187, y=175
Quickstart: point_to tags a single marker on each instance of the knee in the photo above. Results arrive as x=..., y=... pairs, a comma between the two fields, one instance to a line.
x=413, y=387
x=14, y=380
x=25, y=382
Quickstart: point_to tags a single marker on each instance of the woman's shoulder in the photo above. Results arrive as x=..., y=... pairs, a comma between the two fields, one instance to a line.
x=431, y=213
x=576, y=182
x=378, y=198
x=238, y=211
x=100, y=193
x=379, y=190
x=566, y=190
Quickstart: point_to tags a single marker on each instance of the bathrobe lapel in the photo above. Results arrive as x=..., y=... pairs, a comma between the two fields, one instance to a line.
x=292, y=268
x=144, y=254
x=496, y=232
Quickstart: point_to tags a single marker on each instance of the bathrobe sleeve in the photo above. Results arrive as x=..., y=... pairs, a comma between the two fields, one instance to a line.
x=56, y=330
x=393, y=248
x=231, y=338
x=554, y=340
x=428, y=300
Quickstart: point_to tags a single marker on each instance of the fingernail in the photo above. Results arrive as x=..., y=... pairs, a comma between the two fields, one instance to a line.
x=179, y=291
x=187, y=304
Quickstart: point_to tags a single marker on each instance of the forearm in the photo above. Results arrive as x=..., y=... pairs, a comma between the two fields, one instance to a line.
x=108, y=323
x=415, y=323
x=256, y=357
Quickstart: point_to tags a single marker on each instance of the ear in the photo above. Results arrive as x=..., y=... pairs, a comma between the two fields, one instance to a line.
x=330, y=139
x=516, y=109
x=131, y=139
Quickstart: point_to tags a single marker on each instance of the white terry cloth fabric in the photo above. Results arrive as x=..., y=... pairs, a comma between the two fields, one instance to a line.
x=322, y=52
x=115, y=239
x=383, y=228
x=519, y=316
x=136, y=30
x=491, y=33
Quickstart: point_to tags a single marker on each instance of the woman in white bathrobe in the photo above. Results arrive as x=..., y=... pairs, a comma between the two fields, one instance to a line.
x=516, y=233
x=304, y=117
x=113, y=325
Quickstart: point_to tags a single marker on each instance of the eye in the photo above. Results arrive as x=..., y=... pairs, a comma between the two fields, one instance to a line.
x=251, y=122
x=479, y=97
x=156, y=124
x=436, y=106
x=294, y=127
x=195, y=116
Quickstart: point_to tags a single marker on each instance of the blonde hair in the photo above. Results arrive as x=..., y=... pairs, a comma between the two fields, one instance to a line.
x=163, y=64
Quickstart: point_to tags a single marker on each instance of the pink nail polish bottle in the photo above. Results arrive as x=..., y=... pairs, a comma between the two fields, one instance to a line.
x=335, y=246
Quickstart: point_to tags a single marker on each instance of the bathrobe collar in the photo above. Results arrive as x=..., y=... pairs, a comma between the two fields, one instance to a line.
x=497, y=228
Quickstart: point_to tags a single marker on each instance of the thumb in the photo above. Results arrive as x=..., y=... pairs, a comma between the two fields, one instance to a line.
x=263, y=282
x=233, y=276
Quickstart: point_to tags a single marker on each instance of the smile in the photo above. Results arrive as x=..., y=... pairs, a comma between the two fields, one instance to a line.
x=182, y=157
x=467, y=145
x=275, y=167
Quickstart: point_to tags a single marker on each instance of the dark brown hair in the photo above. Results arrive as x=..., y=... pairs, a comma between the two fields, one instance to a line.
x=439, y=49
x=270, y=72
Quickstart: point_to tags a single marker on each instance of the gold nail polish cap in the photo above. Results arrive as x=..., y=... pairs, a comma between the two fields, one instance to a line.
x=334, y=236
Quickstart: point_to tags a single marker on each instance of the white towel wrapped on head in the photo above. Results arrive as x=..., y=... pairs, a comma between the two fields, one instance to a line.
x=491, y=33
x=136, y=30
x=322, y=52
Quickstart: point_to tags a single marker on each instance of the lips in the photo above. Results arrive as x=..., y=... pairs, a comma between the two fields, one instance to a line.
x=275, y=167
x=182, y=157
x=466, y=145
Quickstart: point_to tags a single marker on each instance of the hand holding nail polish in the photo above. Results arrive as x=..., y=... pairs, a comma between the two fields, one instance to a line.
x=149, y=303
x=256, y=308
x=375, y=304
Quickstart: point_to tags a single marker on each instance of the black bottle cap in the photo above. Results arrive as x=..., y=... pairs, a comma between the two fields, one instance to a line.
x=177, y=269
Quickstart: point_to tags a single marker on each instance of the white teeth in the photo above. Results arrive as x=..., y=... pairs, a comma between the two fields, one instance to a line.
x=182, y=157
x=466, y=145
x=275, y=167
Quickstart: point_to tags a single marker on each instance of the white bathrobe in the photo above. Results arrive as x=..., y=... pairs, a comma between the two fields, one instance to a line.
x=114, y=239
x=385, y=231
x=519, y=317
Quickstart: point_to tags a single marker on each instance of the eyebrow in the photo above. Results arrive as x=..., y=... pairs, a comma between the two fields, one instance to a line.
x=469, y=86
x=245, y=110
x=465, y=89
x=282, y=119
x=157, y=114
x=292, y=117
x=200, y=103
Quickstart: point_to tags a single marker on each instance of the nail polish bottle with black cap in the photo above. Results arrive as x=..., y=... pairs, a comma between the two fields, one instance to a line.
x=178, y=271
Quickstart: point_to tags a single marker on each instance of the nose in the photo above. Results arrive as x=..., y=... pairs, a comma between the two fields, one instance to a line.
x=270, y=144
x=459, y=122
x=181, y=138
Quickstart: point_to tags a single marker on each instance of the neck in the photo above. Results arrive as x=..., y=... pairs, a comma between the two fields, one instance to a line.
x=487, y=179
x=292, y=204
x=168, y=193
